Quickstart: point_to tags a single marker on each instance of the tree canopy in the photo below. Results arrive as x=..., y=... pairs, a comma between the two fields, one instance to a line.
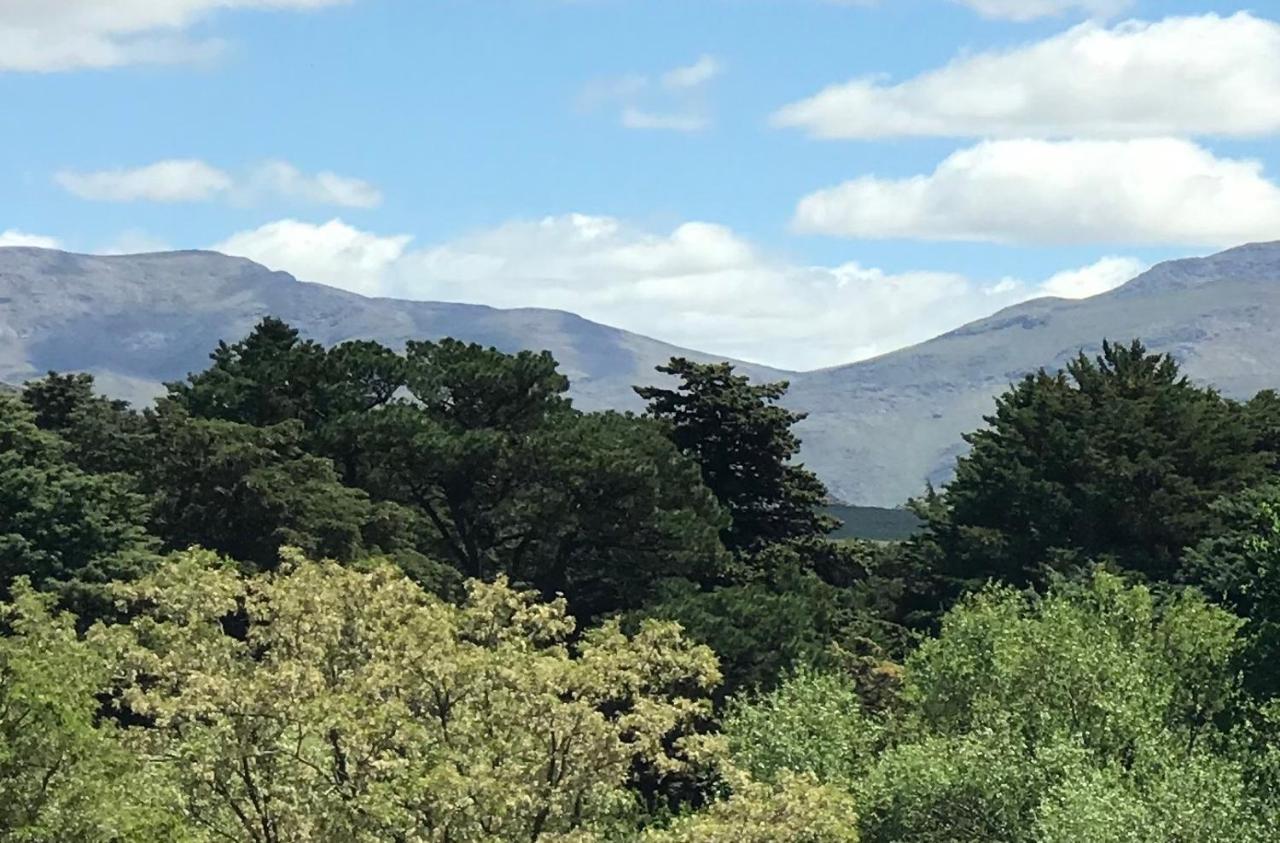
x=1117, y=457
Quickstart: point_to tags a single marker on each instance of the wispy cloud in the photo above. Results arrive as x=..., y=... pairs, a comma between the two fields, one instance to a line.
x=674, y=100
x=193, y=180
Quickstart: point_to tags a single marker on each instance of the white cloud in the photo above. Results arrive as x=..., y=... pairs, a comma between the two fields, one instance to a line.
x=635, y=118
x=674, y=101
x=699, y=73
x=281, y=178
x=13, y=237
x=1032, y=191
x=1205, y=75
x=700, y=285
x=175, y=180
x=333, y=253
x=1025, y=10
x=1106, y=274
x=191, y=180
x=58, y=35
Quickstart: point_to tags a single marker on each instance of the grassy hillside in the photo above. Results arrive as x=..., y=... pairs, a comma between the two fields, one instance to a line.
x=874, y=522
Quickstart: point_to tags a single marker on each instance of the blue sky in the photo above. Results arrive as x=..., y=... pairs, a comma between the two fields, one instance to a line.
x=662, y=165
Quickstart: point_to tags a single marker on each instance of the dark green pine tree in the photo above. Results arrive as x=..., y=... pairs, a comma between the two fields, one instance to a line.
x=64, y=528
x=270, y=376
x=1116, y=458
x=744, y=443
x=245, y=491
x=103, y=435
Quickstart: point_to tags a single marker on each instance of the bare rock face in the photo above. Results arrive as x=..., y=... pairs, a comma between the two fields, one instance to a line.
x=877, y=430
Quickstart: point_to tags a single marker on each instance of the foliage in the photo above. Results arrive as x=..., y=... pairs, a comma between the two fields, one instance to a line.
x=247, y=491
x=60, y=526
x=794, y=810
x=743, y=442
x=500, y=474
x=357, y=707
x=103, y=436
x=1241, y=567
x=813, y=723
x=1116, y=457
x=63, y=774
x=1092, y=713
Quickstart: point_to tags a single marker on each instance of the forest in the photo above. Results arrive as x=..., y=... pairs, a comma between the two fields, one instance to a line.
x=354, y=593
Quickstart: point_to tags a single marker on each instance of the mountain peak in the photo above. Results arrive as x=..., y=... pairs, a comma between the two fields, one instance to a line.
x=1251, y=263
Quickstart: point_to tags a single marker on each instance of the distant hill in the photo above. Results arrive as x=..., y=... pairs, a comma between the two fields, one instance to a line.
x=135, y=321
x=878, y=430
x=874, y=522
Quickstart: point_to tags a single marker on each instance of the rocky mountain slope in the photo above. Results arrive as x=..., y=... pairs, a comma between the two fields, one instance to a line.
x=135, y=321
x=882, y=427
x=877, y=431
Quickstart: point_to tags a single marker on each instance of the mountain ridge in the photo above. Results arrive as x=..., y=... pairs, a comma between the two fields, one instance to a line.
x=877, y=429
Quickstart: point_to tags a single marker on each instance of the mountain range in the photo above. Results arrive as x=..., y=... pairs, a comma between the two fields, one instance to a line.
x=877, y=430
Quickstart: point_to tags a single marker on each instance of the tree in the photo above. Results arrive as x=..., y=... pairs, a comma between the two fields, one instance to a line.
x=744, y=443
x=61, y=527
x=795, y=810
x=1115, y=458
x=1241, y=567
x=247, y=491
x=358, y=707
x=63, y=773
x=269, y=377
x=513, y=480
x=1099, y=711
x=103, y=436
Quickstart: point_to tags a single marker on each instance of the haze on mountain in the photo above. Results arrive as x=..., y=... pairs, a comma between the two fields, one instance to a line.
x=877, y=431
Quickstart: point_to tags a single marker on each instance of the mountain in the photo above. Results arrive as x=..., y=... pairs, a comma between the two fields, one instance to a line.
x=880, y=428
x=877, y=429
x=136, y=321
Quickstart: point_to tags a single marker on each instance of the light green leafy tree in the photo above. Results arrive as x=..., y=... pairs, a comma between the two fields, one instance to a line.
x=795, y=809
x=64, y=775
x=1093, y=713
x=355, y=706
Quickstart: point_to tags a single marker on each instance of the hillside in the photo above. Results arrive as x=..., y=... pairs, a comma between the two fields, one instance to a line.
x=136, y=321
x=880, y=428
x=877, y=431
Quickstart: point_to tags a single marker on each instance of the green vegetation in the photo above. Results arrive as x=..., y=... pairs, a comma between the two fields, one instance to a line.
x=874, y=523
x=356, y=594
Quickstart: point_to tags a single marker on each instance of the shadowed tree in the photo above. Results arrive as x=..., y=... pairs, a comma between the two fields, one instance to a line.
x=744, y=443
x=1117, y=457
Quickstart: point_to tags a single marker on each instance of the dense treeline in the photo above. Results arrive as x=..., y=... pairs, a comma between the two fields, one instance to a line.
x=354, y=593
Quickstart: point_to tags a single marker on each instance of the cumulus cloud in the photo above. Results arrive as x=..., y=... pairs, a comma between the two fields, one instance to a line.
x=1206, y=75
x=700, y=285
x=1025, y=10
x=1033, y=191
x=57, y=35
x=191, y=180
x=673, y=101
x=1098, y=278
x=333, y=253
x=13, y=237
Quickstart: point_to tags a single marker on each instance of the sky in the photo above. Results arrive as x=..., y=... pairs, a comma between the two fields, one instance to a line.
x=801, y=183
